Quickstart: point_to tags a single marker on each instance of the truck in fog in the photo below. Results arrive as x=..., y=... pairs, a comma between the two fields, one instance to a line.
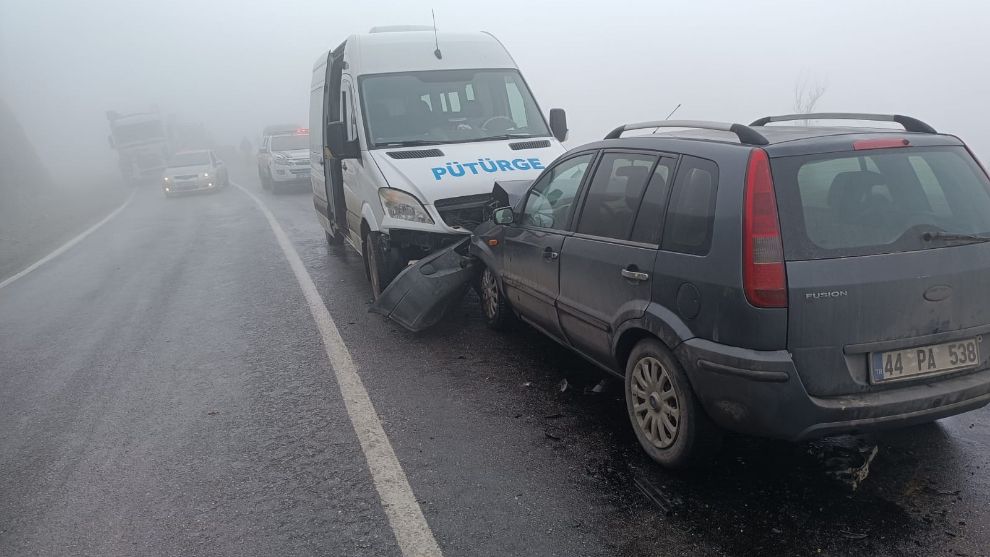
x=142, y=144
x=409, y=130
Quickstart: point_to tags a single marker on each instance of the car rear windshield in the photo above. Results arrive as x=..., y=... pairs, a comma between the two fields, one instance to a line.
x=879, y=201
x=290, y=142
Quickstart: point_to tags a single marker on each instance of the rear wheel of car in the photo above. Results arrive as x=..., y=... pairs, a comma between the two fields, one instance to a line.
x=498, y=314
x=380, y=267
x=668, y=420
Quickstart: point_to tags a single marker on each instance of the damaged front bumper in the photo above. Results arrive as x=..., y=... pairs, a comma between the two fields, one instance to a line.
x=423, y=292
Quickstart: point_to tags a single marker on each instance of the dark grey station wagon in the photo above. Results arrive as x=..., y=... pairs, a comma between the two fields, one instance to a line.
x=776, y=280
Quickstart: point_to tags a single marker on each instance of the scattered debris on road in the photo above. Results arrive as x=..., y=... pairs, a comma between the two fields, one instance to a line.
x=846, y=458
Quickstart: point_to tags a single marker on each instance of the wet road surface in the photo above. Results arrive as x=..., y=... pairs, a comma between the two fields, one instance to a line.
x=164, y=390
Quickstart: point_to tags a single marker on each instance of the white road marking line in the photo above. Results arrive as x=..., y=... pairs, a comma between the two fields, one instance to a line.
x=404, y=514
x=65, y=247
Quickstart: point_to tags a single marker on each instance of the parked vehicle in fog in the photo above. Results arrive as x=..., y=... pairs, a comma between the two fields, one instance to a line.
x=194, y=171
x=781, y=281
x=142, y=144
x=409, y=130
x=283, y=160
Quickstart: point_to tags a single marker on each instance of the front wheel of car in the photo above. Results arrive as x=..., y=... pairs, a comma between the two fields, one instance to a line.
x=498, y=314
x=668, y=419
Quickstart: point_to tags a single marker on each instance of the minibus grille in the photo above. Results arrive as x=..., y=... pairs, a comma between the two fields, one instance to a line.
x=466, y=212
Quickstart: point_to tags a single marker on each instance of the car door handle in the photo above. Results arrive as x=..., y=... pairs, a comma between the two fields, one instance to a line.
x=550, y=255
x=631, y=274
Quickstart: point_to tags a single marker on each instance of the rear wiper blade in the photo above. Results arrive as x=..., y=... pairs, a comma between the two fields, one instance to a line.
x=954, y=237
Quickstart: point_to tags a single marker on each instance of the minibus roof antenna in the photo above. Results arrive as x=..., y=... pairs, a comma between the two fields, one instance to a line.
x=436, y=39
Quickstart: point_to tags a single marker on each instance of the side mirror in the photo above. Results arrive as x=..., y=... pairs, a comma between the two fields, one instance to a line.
x=558, y=124
x=337, y=142
x=503, y=215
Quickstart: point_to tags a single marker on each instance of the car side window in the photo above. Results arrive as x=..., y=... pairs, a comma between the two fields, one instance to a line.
x=649, y=219
x=551, y=200
x=614, y=194
x=691, y=212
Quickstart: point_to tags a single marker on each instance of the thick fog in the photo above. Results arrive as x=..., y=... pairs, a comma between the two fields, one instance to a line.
x=236, y=65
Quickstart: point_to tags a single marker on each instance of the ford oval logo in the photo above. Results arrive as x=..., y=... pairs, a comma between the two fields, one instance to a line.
x=938, y=293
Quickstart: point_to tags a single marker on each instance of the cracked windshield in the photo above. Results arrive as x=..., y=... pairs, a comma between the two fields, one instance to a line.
x=414, y=279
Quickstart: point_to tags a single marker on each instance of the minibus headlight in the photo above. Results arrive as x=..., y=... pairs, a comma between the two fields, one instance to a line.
x=400, y=205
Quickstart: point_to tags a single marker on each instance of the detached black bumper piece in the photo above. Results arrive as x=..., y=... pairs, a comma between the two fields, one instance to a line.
x=422, y=293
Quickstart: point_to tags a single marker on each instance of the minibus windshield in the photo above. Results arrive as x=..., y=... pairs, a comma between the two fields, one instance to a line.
x=449, y=106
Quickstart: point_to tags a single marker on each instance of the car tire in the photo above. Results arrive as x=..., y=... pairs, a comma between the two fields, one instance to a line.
x=379, y=267
x=668, y=419
x=494, y=305
x=266, y=182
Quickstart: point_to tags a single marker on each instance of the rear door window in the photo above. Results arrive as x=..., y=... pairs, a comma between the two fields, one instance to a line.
x=882, y=201
x=691, y=212
x=614, y=194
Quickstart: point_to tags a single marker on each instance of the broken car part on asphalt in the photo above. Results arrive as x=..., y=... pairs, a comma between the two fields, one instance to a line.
x=424, y=291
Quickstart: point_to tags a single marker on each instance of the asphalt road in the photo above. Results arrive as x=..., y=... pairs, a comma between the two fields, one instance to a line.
x=164, y=390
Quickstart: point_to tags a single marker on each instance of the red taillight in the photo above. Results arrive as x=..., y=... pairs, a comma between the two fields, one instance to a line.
x=764, y=279
x=866, y=144
x=302, y=131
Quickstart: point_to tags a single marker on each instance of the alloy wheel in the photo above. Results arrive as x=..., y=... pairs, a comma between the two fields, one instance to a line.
x=655, y=403
x=489, y=293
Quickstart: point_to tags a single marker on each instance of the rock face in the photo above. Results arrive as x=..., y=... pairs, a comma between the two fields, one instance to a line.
x=38, y=214
x=23, y=176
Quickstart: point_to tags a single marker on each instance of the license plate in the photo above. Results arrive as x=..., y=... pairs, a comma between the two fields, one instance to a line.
x=925, y=360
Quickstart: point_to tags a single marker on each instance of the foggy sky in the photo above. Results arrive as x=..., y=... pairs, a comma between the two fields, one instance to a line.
x=237, y=65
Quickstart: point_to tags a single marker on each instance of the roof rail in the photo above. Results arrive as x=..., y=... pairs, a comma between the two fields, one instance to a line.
x=910, y=124
x=745, y=134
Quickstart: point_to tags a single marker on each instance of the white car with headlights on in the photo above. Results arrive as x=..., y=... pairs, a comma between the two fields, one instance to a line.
x=194, y=171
